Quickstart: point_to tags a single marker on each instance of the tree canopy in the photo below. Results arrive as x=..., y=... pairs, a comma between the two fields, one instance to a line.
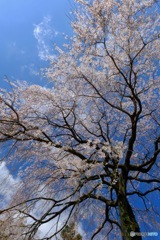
x=88, y=148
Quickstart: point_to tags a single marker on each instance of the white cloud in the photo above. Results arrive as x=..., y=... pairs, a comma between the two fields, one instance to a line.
x=8, y=185
x=51, y=227
x=44, y=34
x=31, y=68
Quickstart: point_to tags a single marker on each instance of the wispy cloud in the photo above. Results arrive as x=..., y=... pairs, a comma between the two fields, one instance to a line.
x=31, y=69
x=8, y=185
x=44, y=34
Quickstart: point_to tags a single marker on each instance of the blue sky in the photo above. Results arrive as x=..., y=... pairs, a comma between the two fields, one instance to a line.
x=29, y=28
x=28, y=31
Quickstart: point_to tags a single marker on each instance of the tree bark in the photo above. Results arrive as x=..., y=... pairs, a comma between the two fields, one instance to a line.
x=129, y=226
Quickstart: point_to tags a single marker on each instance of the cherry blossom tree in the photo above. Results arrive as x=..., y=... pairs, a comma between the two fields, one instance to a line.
x=11, y=226
x=69, y=232
x=88, y=148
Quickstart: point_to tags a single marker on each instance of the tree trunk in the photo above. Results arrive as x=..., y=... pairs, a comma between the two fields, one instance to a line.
x=129, y=227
